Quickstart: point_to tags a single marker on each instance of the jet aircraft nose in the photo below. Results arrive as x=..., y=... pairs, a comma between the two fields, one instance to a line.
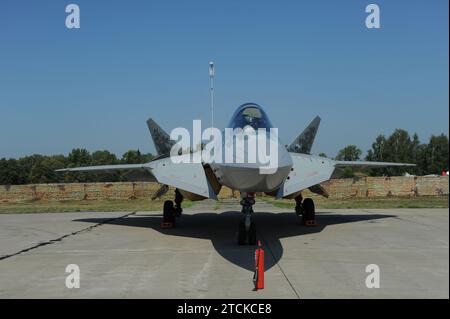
x=254, y=170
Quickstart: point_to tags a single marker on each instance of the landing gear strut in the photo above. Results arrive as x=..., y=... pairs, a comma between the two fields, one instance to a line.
x=306, y=209
x=247, y=228
x=171, y=211
x=178, y=201
x=298, y=205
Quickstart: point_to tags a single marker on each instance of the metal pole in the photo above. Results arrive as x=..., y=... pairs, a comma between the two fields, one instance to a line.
x=212, y=102
x=211, y=76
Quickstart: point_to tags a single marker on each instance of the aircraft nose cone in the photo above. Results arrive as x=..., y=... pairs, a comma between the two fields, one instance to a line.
x=264, y=174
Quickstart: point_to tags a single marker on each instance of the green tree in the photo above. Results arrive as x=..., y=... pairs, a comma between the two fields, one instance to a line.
x=133, y=157
x=105, y=158
x=349, y=153
x=323, y=155
x=79, y=157
x=397, y=148
x=9, y=172
x=436, y=157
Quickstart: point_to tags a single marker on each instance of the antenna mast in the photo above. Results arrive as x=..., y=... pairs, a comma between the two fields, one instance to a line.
x=211, y=77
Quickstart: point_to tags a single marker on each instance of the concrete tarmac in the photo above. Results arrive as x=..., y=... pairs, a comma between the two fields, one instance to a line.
x=127, y=255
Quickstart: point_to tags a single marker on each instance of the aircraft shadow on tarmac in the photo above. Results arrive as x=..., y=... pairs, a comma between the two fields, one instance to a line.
x=221, y=229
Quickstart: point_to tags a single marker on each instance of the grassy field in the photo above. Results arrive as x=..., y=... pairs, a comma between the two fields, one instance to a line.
x=148, y=205
x=384, y=202
x=85, y=206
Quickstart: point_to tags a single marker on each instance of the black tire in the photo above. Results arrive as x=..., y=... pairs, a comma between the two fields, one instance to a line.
x=252, y=235
x=169, y=212
x=309, y=211
x=242, y=234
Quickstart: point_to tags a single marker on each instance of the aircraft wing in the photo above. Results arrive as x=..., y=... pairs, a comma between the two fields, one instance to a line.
x=310, y=170
x=363, y=164
x=190, y=177
x=307, y=171
x=103, y=168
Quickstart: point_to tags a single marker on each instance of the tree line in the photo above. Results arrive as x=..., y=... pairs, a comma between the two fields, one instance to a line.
x=431, y=158
x=400, y=147
x=36, y=168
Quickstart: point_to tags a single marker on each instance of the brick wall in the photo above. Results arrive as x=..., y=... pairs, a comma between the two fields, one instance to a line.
x=337, y=188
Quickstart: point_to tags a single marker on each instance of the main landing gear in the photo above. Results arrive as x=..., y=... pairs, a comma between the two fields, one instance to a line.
x=171, y=211
x=247, y=228
x=306, y=209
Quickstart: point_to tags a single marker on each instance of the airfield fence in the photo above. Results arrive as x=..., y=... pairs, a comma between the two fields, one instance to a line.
x=363, y=187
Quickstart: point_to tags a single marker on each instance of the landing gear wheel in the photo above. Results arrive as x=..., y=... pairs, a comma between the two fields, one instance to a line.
x=169, y=212
x=309, y=211
x=252, y=235
x=242, y=234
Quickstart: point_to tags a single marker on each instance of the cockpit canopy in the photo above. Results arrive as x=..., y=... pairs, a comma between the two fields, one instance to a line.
x=250, y=114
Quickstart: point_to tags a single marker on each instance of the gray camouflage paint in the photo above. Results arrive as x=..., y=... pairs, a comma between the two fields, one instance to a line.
x=304, y=142
x=161, y=139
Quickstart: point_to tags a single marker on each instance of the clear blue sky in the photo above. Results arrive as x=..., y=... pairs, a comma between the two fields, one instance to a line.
x=96, y=86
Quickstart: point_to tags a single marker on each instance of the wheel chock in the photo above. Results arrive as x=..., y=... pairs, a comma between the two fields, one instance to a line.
x=310, y=223
x=166, y=225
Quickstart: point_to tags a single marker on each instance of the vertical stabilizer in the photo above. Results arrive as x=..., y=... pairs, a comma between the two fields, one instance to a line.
x=304, y=142
x=161, y=139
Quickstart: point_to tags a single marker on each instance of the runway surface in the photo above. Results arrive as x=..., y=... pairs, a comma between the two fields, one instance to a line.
x=127, y=255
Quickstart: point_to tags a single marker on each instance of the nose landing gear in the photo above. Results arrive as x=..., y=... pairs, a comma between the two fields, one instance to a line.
x=247, y=228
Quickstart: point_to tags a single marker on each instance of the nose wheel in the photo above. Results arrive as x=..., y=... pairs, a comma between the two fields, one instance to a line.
x=247, y=228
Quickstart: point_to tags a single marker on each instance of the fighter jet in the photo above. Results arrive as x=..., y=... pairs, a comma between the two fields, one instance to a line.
x=296, y=170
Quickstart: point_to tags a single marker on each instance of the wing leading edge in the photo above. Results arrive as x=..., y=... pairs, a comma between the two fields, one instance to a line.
x=103, y=168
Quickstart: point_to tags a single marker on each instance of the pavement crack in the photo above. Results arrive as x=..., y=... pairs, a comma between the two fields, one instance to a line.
x=279, y=266
x=52, y=241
